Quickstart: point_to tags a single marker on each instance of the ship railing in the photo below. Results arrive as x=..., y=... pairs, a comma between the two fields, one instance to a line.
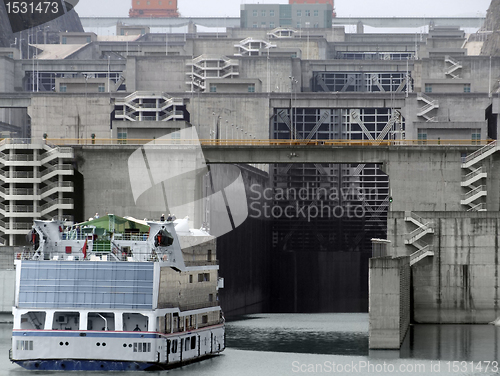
x=132, y=237
x=201, y=263
x=191, y=306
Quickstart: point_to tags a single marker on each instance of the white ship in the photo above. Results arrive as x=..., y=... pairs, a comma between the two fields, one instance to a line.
x=116, y=294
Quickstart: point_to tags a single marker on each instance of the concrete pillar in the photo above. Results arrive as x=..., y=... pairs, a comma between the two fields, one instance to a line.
x=360, y=28
x=389, y=301
x=192, y=28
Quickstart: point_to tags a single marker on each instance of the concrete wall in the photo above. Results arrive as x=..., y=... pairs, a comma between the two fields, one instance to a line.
x=248, y=111
x=156, y=74
x=7, y=283
x=7, y=73
x=425, y=181
x=475, y=70
x=70, y=116
x=389, y=302
x=460, y=283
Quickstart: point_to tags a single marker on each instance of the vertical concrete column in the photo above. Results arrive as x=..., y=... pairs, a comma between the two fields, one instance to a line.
x=389, y=301
x=36, y=186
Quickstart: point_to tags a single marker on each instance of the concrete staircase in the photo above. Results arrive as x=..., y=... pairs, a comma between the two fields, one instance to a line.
x=414, y=238
x=452, y=69
x=430, y=105
x=474, y=178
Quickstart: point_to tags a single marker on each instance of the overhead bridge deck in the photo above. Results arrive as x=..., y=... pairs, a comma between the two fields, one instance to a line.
x=292, y=151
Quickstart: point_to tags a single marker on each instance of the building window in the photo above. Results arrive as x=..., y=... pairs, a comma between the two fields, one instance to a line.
x=64, y=40
x=298, y=25
x=255, y=13
x=89, y=39
x=299, y=13
x=263, y=13
x=63, y=88
x=263, y=25
x=254, y=25
x=466, y=88
x=251, y=88
x=101, y=88
x=210, y=297
x=308, y=13
x=10, y=55
x=122, y=137
x=271, y=25
x=213, y=88
x=476, y=136
x=316, y=13
x=428, y=88
x=271, y=13
x=422, y=136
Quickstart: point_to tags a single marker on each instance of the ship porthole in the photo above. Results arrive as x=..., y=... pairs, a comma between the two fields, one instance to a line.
x=67, y=343
x=63, y=365
x=104, y=343
x=98, y=344
x=37, y=365
x=124, y=345
x=60, y=343
x=136, y=367
x=102, y=365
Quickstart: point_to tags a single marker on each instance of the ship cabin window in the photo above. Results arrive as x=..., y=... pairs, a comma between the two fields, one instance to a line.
x=209, y=255
x=142, y=346
x=190, y=278
x=204, y=319
x=101, y=321
x=66, y=321
x=204, y=277
x=33, y=320
x=174, y=346
x=193, y=342
x=135, y=322
x=187, y=344
x=24, y=345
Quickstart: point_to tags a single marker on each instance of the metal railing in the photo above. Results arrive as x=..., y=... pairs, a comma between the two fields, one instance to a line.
x=64, y=184
x=473, y=174
x=479, y=207
x=420, y=253
x=267, y=142
x=477, y=153
x=425, y=227
x=481, y=188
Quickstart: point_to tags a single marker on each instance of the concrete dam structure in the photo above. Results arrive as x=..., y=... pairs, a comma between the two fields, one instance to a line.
x=451, y=250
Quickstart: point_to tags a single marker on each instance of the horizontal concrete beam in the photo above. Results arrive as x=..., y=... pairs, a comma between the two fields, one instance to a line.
x=94, y=22
x=12, y=100
x=403, y=22
x=387, y=22
x=321, y=154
